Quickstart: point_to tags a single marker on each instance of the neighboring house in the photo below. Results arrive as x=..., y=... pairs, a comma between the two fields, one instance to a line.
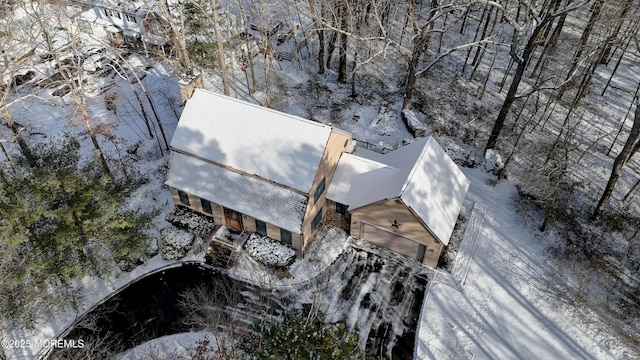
x=124, y=23
x=259, y=170
x=407, y=200
x=252, y=168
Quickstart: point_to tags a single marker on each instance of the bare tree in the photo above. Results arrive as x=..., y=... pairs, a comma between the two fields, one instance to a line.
x=318, y=16
x=72, y=76
x=619, y=162
x=176, y=30
x=596, y=10
x=344, y=16
x=534, y=25
x=216, y=307
x=420, y=46
x=219, y=43
x=17, y=44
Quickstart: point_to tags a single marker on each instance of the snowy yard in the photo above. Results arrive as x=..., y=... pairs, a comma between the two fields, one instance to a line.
x=509, y=297
x=510, y=304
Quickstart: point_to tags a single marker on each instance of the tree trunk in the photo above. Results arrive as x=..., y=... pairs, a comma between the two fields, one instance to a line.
x=615, y=68
x=475, y=37
x=619, y=162
x=331, y=48
x=342, y=52
x=420, y=46
x=513, y=88
x=319, y=23
x=586, y=33
x=613, y=143
x=551, y=40
x=245, y=22
x=177, y=34
x=17, y=134
x=633, y=189
x=221, y=58
x=604, y=59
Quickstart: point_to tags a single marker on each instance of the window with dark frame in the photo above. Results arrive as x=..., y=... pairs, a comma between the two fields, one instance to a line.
x=341, y=209
x=206, y=206
x=184, y=198
x=111, y=13
x=131, y=18
x=261, y=227
x=316, y=220
x=285, y=236
x=319, y=190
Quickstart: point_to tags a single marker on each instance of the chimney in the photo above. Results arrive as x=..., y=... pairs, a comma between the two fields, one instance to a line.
x=188, y=83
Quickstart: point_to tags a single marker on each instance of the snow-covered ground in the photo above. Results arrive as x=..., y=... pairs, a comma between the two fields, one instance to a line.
x=183, y=346
x=507, y=305
x=511, y=302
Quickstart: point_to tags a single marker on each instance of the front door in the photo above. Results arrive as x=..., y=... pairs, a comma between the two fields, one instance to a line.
x=233, y=219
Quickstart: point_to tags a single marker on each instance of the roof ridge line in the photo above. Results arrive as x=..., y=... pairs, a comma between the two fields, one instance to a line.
x=281, y=113
x=414, y=167
x=237, y=171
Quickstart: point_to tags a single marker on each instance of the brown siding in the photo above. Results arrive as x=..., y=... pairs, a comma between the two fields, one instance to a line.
x=338, y=143
x=382, y=213
x=273, y=232
x=196, y=205
x=248, y=222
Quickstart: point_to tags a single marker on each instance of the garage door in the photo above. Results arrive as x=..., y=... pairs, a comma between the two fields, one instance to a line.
x=396, y=242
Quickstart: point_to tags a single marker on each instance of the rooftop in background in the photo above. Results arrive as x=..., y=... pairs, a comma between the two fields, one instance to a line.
x=252, y=139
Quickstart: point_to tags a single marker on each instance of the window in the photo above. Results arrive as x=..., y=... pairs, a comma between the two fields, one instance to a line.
x=421, y=250
x=184, y=198
x=341, y=209
x=316, y=220
x=85, y=26
x=261, y=227
x=111, y=13
x=130, y=18
x=206, y=206
x=319, y=190
x=285, y=236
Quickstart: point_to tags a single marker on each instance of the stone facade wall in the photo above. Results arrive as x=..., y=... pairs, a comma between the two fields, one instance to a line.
x=338, y=220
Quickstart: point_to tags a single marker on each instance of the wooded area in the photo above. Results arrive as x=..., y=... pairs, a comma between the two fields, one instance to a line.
x=551, y=86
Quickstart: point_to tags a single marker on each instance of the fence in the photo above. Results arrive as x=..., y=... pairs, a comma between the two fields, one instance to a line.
x=373, y=147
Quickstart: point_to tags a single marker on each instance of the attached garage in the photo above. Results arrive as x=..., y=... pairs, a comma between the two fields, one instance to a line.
x=406, y=200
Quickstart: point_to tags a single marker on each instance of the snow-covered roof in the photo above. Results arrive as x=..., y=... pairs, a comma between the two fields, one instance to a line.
x=421, y=174
x=272, y=145
x=365, y=177
x=248, y=195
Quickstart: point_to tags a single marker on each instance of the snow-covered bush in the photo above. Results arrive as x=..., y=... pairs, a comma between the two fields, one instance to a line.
x=269, y=252
x=152, y=247
x=175, y=243
x=184, y=218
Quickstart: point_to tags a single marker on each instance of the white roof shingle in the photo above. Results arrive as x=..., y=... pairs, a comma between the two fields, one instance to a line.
x=272, y=145
x=265, y=201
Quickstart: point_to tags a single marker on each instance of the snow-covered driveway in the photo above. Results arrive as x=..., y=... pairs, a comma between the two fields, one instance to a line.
x=507, y=307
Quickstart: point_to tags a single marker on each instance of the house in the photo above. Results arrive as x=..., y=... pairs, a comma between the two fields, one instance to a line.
x=129, y=23
x=258, y=170
x=407, y=200
x=252, y=168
